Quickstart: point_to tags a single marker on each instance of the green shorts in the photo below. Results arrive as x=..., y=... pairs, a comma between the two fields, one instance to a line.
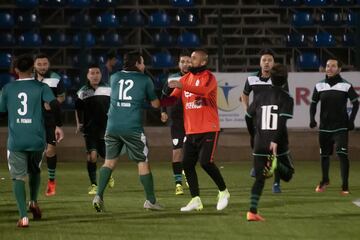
x=23, y=163
x=135, y=144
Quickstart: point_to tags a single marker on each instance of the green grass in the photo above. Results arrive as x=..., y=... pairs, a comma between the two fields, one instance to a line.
x=297, y=213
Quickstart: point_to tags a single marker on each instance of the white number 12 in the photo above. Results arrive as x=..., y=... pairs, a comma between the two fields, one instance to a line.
x=123, y=91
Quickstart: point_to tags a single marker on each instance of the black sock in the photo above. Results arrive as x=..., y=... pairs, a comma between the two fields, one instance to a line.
x=177, y=170
x=51, y=163
x=256, y=192
x=344, y=168
x=325, y=165
x=277, y=177
x=212, y=170
x=91, y=167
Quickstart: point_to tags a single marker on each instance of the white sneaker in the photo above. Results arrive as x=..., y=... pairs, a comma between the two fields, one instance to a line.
x=150, y=206
x=194, y=204
x=98, y=204
x=223, y=199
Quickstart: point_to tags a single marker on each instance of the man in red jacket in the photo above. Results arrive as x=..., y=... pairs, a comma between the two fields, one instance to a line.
x=198, y=90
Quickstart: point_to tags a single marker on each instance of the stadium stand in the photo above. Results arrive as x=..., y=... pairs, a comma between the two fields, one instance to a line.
x=161, y=29
x=308, y=61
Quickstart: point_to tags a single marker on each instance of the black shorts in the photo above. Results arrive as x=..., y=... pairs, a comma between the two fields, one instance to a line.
x=50, y=134
x=95, y=143
x=200, y=147
x=328, y=139
x=177, y=134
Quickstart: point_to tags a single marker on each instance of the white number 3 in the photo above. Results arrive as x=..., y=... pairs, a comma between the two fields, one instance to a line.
x=23, y=97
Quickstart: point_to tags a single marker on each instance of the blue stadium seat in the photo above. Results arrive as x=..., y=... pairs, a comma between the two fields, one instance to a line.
x=89, y=59
x=79, y=3
x=58, y=39
x=5, y=78
x=80, y=20
x=7, y=40
x=76, y=82
x=53, y=3
x=182, y=3
x=315, y=3
x=352, y=18
x=87, y=40
x=28, y=20
x=27, y=3
x=290, y=3
x=30, y=39
x=348, y=40
x=160, y=80
x=302, y=19
x=324, y=39
x=295, y=40
x=111, y=39
x=66, y=80
x=5, y=60
x=105, y=3
x=163, y=39
x=188, y=40
x=343, y=2
x=331, y=18
x=6, y=20
x=309, y=61
x=159, y=19
x=162, y=60
x=133, y=19
x=107, y=20
x=185, y=19
x=69, y=103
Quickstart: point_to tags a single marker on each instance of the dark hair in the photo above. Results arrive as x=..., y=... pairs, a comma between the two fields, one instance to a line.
x=184, y=53
x=93, y=65
x=41, y=55
x=130, y=60
x=337, y=60
x=110, y=55
x=266, y=52
x=278, y=74
x=24, y=63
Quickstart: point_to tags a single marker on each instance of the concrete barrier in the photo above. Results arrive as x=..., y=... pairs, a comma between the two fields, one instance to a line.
x=233, y=145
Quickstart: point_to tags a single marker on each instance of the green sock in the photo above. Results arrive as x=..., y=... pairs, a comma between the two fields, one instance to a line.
x=20, y=196
x=34, y=184
x=148, y=183
x=104, y=176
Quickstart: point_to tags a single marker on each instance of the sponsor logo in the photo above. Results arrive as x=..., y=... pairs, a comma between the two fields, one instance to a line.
x=227, y=98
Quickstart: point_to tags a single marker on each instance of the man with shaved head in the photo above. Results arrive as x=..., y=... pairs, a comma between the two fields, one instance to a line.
x=198, y=91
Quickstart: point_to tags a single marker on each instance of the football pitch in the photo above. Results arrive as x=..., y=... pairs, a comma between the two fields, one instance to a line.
x=297, y=213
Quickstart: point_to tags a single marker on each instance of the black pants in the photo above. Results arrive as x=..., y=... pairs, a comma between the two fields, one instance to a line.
x=201, y=147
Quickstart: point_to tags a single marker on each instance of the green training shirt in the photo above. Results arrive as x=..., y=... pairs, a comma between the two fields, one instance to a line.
x=129, y=91
x=23, y=100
